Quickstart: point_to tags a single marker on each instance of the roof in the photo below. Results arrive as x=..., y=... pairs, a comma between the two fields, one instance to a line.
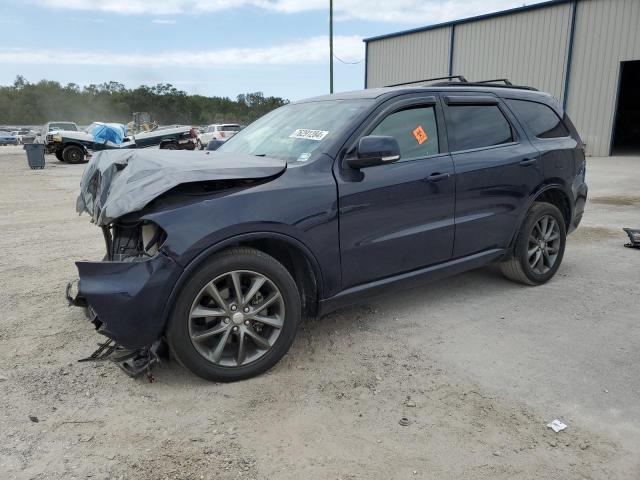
x=373, y=93
x=501, y=13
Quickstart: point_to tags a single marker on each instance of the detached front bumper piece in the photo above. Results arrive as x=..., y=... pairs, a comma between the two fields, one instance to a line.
x=126, y=300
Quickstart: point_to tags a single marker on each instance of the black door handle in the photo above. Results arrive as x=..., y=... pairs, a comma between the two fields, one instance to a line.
x=436, y=177
x=527, y=161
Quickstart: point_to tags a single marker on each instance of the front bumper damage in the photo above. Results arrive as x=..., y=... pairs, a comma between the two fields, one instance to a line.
x=126, y=302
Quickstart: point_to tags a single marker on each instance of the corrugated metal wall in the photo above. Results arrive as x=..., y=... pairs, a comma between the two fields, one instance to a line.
x=607, y=33
x=529, y=48
x=409, y=57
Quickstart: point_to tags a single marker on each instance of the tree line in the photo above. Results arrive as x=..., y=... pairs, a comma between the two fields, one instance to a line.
x=25, y=103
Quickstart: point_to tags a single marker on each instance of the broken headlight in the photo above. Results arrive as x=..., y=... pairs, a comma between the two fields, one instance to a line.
x=132, y=241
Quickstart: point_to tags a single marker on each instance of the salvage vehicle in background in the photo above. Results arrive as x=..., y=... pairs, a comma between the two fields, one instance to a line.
x=75, y=146
x=50, y=127
x=317, y=205
x=8, y=138
x=221, y=132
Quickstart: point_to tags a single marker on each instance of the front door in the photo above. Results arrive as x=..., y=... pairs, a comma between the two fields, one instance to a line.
x=398, y=217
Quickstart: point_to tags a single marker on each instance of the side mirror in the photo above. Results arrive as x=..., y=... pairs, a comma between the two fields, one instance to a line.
x=375, y=150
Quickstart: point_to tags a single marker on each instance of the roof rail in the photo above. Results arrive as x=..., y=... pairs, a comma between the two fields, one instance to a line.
x=485, y=83
x=459, y=77
x=496, y=80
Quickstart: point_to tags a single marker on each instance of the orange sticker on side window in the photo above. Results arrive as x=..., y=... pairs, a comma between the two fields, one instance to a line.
x=420, y=135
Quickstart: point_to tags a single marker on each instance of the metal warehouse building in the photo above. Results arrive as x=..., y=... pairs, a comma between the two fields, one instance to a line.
x=586, y=53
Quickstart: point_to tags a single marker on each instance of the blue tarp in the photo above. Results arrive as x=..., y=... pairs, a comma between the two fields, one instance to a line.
x=109, y=132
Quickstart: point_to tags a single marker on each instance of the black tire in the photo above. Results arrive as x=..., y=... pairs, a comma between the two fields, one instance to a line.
x=234, y=259
x=73, y=154
x=199, y=145
x=58, y=154
x=518, y=267
x=169, y=146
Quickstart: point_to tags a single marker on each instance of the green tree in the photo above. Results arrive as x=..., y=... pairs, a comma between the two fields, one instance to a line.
x=25, y=103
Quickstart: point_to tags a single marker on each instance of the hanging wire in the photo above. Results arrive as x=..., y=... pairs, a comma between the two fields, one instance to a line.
x=347, y=63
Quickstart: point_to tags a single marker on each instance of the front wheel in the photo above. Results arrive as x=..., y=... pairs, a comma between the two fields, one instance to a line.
x=539, y=246
x=73, y=154
x=199, y=145
x=236, y=317
x=59, y=156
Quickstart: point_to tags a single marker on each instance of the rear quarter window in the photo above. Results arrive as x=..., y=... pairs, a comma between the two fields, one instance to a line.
x=477, y=126
x=540, y=119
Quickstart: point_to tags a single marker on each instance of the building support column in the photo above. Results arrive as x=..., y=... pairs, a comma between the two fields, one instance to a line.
x=567, y=75
x=452, y=43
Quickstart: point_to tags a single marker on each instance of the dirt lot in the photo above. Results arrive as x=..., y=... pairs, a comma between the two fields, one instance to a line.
x=477, y=364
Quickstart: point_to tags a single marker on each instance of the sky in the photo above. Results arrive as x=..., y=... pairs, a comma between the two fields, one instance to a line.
x=209, y=47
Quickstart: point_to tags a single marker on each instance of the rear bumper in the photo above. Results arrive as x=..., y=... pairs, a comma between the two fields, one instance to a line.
x=580, y=195
x=126, y=300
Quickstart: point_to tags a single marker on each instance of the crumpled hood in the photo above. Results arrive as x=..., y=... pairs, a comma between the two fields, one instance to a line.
x=118, y=182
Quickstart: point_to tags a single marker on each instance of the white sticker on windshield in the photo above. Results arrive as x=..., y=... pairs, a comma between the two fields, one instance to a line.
x=304, y=157
x=309, y=134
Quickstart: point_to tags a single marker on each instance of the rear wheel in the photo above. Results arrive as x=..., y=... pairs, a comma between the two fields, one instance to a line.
x=236, y=317
x=539, y=246
x=73, y=154
x=199, y=145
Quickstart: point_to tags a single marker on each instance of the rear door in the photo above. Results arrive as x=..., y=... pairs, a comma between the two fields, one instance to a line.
x=497, y=169
x=561, y=155
x=398, y=217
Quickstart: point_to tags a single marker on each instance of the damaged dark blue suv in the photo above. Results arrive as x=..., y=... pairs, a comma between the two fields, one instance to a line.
x=317, y=205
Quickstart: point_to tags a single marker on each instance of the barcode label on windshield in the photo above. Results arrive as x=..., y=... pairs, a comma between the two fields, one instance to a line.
x=309, y=134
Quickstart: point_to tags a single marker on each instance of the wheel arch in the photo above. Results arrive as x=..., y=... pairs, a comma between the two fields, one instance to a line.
x=73, y=144
x=554, y=194
x=293, y=254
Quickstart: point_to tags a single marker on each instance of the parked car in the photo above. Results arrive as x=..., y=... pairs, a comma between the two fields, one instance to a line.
x=18, y=135
x=222, y=132
x=322, y=203
x=8, y=138
x=75, y=146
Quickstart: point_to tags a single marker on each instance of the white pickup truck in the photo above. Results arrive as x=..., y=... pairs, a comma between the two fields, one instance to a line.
x=75, y=146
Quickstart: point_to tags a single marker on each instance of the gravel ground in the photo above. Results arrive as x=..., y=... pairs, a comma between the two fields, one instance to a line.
x=477, y=365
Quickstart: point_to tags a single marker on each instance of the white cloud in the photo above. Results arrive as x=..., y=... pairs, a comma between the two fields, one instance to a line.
x=308, y=51
x=422, y=12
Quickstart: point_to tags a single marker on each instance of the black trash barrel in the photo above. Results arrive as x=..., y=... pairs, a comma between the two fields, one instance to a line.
x=35, y=155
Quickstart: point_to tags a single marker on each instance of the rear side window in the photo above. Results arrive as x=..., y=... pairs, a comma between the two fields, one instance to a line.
x=540, y=119
x=415, y=130
x=477, y=126
x=230, y=128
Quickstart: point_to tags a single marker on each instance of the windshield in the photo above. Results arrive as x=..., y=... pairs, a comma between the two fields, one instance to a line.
x=91, y=127
x=62, y=126
x=294, y=132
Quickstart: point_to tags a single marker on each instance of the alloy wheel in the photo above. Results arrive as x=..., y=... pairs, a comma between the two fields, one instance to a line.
x=236, y=318
x=543, y=245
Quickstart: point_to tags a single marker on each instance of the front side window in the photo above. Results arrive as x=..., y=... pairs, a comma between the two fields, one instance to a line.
x=540, y=119
x=414, y=129
x=477, y=126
